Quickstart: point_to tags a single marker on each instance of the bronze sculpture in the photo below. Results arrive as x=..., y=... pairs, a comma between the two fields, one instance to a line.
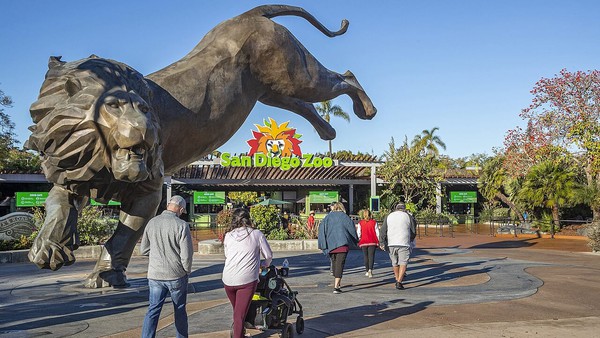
x=107, y=132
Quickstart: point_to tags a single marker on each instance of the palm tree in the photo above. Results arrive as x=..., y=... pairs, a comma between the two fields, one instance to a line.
x=494, y=183
x=549, y=184
x=326, y=110
x=428, y=142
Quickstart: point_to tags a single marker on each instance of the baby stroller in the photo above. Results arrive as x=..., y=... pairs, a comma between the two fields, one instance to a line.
x=273, y=302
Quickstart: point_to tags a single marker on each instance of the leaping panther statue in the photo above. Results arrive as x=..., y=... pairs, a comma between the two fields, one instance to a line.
x=107, y=132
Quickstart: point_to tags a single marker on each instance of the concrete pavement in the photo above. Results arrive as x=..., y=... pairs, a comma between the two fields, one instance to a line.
x=472, y=286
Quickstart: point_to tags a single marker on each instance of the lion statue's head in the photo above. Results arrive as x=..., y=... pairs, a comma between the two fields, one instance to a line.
x=93, y=120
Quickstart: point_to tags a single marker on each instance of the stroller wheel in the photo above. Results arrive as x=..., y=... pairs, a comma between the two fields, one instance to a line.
x=299, y=325
x=288, y=331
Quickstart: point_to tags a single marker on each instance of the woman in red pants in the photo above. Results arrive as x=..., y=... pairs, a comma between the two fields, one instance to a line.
x=243, y=247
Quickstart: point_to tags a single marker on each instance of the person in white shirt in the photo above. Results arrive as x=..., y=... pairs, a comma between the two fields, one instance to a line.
x=398, y=231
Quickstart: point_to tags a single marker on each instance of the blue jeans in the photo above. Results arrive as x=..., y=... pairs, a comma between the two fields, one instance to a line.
x=158, y=290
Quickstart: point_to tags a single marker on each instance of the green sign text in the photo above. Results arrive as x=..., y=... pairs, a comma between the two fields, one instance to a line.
x=323, y=196
x=31, y=199
x=209, y=197
x=463, y=197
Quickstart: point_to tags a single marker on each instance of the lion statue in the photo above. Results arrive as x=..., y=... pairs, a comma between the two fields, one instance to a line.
x=105, y=131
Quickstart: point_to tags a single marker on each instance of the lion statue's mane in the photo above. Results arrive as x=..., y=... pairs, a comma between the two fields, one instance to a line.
x=71, y=132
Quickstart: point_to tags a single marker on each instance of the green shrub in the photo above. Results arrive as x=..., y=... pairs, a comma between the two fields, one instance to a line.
x=265, y=218
x=452, y=219
x=500, y=213
x=380, y=215
x=93, y=228
x=278, y=234
x=487, y=213
x=430, y=216
x=545, y=223
x=224, y=217
x=11, y=244
x=426, y=216
x=243, y=197
x=302, y=231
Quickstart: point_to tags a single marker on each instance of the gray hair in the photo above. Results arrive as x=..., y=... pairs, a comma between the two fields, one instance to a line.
x=400, y=206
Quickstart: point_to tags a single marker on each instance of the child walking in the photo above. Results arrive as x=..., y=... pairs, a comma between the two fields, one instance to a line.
x=368, y=234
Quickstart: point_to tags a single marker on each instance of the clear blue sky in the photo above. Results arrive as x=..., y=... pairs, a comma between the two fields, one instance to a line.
x=464, y=66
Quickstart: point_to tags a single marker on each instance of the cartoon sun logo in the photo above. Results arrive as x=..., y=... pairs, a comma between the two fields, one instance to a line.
x=275, y=140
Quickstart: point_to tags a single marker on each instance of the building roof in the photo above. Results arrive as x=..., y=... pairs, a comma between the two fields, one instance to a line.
x=348, y=170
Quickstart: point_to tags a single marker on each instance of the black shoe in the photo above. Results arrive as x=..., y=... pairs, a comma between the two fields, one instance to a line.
x=337, y=290
x=399, y=286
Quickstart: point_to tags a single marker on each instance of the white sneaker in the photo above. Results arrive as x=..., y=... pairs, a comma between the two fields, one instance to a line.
x=369, y=274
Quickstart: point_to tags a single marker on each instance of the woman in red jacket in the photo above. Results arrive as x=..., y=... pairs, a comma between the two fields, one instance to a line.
x=368, y=233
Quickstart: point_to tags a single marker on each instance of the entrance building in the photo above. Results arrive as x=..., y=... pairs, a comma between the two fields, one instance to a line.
x=353, y=178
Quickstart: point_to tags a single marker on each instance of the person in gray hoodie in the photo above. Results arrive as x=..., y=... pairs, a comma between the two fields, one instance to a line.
x=168, y=242
x=243, y=247
x=336, y=234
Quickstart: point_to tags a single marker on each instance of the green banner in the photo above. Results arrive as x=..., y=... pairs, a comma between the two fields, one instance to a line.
x=209, y=197
x=111, y=202
x=31, y=199
x=323, y=196
x=463, y=197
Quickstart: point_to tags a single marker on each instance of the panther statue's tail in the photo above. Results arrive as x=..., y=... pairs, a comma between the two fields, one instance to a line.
x=271, y=11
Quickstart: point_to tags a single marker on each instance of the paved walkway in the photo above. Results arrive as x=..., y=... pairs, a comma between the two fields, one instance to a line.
x=466, y=286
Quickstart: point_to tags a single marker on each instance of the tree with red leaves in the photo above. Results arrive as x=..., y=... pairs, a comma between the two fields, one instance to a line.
x=564, y=116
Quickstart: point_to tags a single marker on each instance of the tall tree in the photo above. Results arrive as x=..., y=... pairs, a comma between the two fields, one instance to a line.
x=7, y=135
x=495, y=184
x=409, y=173
x=327, y=110
x=564, y=114
x=429, y=142
x=550, y=184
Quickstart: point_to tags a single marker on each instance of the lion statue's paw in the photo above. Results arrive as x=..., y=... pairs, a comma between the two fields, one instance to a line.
x=50, y=255
x=101, y=279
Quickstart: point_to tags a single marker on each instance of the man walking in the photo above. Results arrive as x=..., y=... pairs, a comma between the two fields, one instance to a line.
x=168, y=242
x=398, y=231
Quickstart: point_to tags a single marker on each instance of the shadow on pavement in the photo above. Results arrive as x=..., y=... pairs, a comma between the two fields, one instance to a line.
x=507, y=244
x=360, y=317
x=44, y=310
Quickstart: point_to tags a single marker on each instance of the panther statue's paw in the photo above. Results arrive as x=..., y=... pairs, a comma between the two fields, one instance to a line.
x=49, y=255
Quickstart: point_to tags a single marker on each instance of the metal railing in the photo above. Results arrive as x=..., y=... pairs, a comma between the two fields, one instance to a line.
x=429, y=225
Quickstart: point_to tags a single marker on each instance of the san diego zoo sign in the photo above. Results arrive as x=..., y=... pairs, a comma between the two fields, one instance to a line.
x=275, y=146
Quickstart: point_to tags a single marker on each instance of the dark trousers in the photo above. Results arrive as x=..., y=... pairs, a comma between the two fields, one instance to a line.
x=369, y=256
x=240, y=297
x=337, y=262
